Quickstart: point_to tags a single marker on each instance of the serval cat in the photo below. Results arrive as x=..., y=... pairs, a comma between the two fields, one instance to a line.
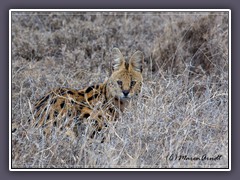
x=65, y=107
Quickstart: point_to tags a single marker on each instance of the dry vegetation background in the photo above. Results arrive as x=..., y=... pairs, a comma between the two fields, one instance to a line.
x=185, y=82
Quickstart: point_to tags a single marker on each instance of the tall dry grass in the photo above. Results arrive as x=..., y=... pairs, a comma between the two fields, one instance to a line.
x=182, y=110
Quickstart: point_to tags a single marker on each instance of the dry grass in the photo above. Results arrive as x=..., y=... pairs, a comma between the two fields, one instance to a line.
x=185, y=82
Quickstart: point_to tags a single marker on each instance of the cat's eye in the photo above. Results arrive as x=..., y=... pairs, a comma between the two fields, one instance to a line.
x=133, y=83
x=119, y=83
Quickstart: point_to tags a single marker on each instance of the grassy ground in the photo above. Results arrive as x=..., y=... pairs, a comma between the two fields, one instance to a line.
x=185, y=82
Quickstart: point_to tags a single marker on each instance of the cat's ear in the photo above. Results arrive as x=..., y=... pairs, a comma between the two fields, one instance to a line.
x=136, y=61
x=118, y=59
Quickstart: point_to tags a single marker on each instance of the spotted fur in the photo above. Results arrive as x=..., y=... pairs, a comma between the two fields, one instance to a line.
x=63, y=107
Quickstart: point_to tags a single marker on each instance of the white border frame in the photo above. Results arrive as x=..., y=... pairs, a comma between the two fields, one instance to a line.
x=120, y=10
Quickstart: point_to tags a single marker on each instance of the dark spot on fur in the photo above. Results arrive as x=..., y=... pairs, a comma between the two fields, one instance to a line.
x=69, y=113
x=62, y=91
x=85, y=103
x=55, y=113
x=62, y=104
x=86, y=115
x=77, y=122
x=53, y=101
x=97, y=86
x=78, y=112
x=80, y=107
x=89, y=89
x=80, y=93
x=93, y=97
x=37, y=114
x=70, y=92
x=55, y=123
x=94, y=122
x=45, y=109
x=72, y=102
x=38, y=106
x=99, y=116
x=48, y=117
x=61, y=128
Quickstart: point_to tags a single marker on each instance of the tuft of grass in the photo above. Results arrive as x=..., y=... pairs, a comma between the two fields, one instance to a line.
x=182, y=110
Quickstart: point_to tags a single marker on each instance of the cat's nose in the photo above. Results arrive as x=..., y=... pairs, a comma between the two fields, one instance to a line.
x=125, y=92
